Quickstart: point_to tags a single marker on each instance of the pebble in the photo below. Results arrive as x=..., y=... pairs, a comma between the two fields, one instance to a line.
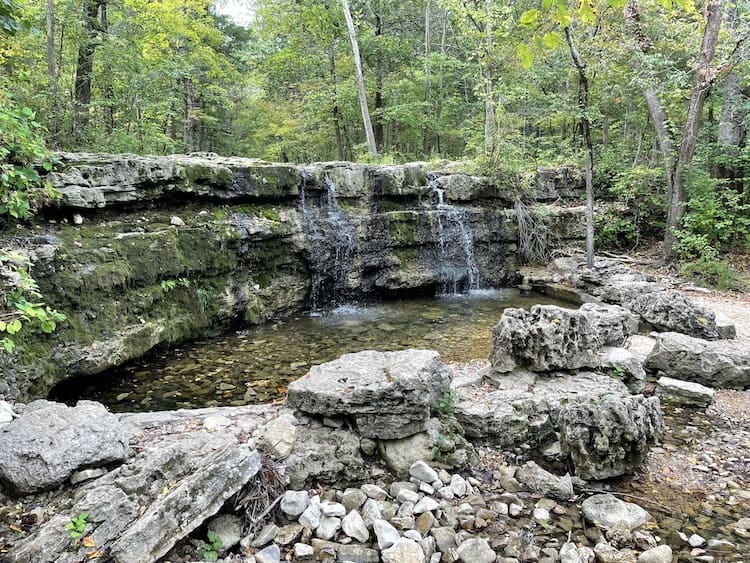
x=354, y=526
x=271, y=554
x=328, y=527
x=660, y=554
x=475, y=550
x=423, y=472
x=426, y=504
x=265, y=536
x=696, y=541
x=403, y=550
x=333, y=509
x=294, y=503
x=387, y=535
x=303, y=551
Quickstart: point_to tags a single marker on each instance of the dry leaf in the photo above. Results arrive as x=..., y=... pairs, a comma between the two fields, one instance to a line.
x=94, y=554
x=88, y=541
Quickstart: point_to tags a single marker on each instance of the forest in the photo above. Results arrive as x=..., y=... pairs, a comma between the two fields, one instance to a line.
x=650, y=97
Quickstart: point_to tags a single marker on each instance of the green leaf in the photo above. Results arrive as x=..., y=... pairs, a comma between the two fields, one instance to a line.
x=666, y=4
x=546, y=5
x=617, y=4
x=47, y=165
x=562, y=17
x=525, y=55
x=3, y=325
x=48, y=327
x=9, y=345
x=529, y=17
x=14, y=326
x=587, y=12
x=552, y=40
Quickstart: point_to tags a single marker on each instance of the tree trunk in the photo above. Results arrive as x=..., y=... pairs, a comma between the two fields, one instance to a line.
x=336, y=111
x=427, y=80
x=52, y=72
x=371, y=146
x=84, y=68
x=677, y=161
x=441, y=80
x=489, y=102
x=583, y=105
x=190, y=119
x=732, y=115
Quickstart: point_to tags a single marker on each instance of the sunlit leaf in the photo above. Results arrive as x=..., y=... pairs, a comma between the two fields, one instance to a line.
x=525, y=55
x=529, y=17
x=552, y=40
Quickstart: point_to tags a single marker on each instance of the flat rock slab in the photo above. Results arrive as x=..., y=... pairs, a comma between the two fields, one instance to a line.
x=611, y=512
x=139, y=511
x=687, y=393
x=550, y=338
x=722, y=363
x=388, y=393
x=50, y=441
x=525, y=406
x=611, y=435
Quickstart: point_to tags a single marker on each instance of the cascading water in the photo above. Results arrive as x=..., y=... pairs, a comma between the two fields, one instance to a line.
x=332, y=243
x=457, y=262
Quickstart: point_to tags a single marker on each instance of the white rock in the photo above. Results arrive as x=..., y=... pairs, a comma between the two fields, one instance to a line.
x=354, y=526
x=77, y=219
x=696, y=541
x=87, y=475
x=271, y=554
x=371, y=512
x=333, y=509
x=458, y=485
x=405, y=495
x=569, y=553
x=277, y=438
x=310, y=518
x=228, y=528
x=6, y=412
x=403, y=550
x=476, y=550
x=303, y=551
x=176, y=221
x=660, y=554
x=374, y=492
x=413, y=535
x=609, y=511
x=515, y=510
x=423, y=472
x=328, y=527
x=426, y=504
x=294, y=503
x=387, y=535
x=541, y=515
x=426, y=489
x=214, y=422
x=446, y=493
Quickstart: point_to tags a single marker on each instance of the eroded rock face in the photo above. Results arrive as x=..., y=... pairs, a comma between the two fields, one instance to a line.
x=549, y=337
x=609, y=436
x=387, y=393
x=180, y=482
x=715, y=364
x=50, y=441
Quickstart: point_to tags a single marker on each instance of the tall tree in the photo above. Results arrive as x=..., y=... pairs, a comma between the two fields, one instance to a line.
x=94, y=18
x=367, y=122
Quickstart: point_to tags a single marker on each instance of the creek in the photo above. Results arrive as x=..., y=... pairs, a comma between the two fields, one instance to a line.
x=255, y=365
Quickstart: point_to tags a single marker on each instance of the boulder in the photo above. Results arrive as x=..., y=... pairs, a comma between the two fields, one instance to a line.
x=50, y=441
x=719, y=363
x=387, y=393
x=687, y=393
x=549, y=337
x=609, y=436
x=669, y=310
x=540, y=481
x=525, y=407
x=610, y=512
x=141, y=509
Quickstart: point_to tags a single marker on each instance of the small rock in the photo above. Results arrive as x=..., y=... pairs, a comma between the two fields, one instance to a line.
x=721, y=545
x=265, y=536
x=405, y=495
x=445, y=537
x=371, y=512
x=679, y=392
x=660, y=554
x=476, y=550
x=403, y=550
x=413, y=535
x=374, y=492
x=229, y=529
x=333, y=509
x=354, y=526
x=352, y=499
x=277, y=438
x=6, y=412
x=387, y=535
x=77, y=219
x=541, y=514
x=426, y=504
x=696, y=541
x=288, y=534
x=569, y=553
x=515, y=510
x=294, y=503
x=87, y=475
x=543, y=482
x=271, y=554
x=175, y=221
x=609, y=511
x=368, y=446
x=423, y=472
x=328, y=527
x=605, y=553
x=358, y=554
x=458, y=485
x=302, y=551
x=446, y=493
x=310, y=518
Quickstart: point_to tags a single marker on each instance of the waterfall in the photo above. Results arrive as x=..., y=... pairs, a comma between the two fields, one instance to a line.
x=457, y=263
x=332, y=244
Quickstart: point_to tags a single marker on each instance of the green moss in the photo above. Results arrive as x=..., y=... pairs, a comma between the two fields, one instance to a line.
x=407, y=256
x=403, y=227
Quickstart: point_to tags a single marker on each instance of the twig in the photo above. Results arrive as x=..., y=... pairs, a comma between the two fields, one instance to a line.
x=267, y=510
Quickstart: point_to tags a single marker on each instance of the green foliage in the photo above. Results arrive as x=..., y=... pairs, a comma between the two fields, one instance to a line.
x=77, y=526
x=22, y=149
x=701, y=262
x=213, y=545
x=445, y=404
x=202, y=294
x=172, y=284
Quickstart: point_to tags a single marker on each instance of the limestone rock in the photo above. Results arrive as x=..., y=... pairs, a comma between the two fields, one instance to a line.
x=354, y=526
x=610, y=436
x=387, y=535
x=623, y=365
x=403, y=551
x=180, y=482
x=270, y=554
x=660, y=554
x=50, y=441
x=358, y=554
x=294, y=503
x=420, y=470
x=388, y=393
x=605, y=553
x=684, y=392
x=611, y=512
x=543, y=482
x=324, y=455
x=277, y=438
x=6, y=412
x=476, y=550
x=549, y=337
x=721, y=363
x=671, y=311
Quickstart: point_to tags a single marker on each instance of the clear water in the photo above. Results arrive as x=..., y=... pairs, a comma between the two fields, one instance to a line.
x=255, y=365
